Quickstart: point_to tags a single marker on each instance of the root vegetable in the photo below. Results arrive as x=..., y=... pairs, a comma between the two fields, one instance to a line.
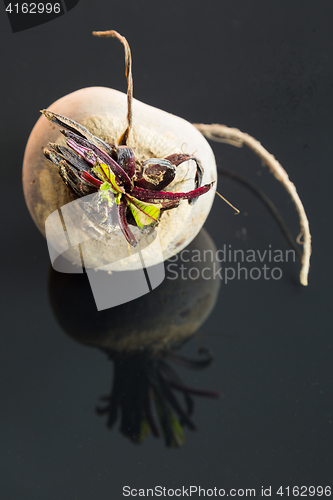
x=150, y=133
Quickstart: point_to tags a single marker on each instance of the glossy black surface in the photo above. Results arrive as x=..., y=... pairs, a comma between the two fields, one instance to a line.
x=265, y=68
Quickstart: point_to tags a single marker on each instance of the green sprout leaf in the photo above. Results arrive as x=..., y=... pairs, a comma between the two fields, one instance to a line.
x=106, y=193
x=145, y=214
x=104, y=173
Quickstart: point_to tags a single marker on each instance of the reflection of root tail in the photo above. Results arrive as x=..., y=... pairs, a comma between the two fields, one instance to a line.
x=221, y=133
x=143, y=389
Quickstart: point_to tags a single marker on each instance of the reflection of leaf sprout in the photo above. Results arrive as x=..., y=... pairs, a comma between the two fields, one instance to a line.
x=144, y=382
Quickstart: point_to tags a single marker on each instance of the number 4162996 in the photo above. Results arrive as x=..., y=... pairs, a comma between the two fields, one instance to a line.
x=304, y=491
x=33, y=8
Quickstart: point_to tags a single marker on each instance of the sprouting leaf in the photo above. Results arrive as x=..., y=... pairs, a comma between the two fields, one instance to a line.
x=103, y=172
x=106, y=193
x=145, y=214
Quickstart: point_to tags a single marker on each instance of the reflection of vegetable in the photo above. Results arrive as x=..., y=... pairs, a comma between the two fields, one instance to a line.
x=169, y=314
x=140, y=338
x=143, y=396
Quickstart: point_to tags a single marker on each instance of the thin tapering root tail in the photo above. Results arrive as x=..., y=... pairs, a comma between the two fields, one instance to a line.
x=222, y=133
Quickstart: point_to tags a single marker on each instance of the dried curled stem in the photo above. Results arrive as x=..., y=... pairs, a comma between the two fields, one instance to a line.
x=129, y=77
x=222, y=133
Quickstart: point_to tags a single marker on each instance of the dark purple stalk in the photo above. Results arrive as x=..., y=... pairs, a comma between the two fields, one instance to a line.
x=126, y=159
x=177, y=159
x=69, y=178
x=91, y=180
x=75, y=141
x=86, y=153
x=121, y=212
x=76, y=128
x=153, y=196
x=70, y=156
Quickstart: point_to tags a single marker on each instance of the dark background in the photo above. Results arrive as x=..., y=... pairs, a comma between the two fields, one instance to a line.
x=265, y=68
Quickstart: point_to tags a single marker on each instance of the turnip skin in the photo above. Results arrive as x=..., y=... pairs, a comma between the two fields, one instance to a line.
x=155, y=133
